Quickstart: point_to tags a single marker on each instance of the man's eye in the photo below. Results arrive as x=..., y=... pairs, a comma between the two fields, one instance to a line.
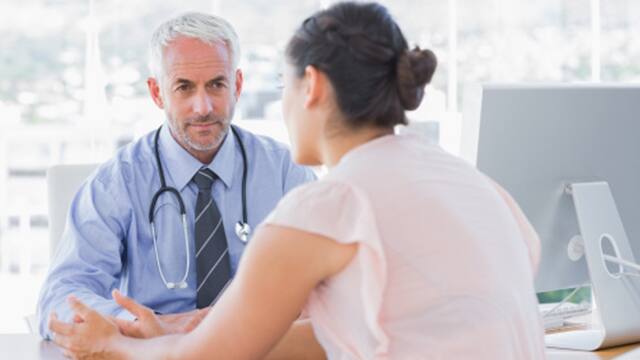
x=218, y=85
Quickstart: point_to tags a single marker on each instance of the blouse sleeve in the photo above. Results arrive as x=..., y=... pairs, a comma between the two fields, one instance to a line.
x=328, y=208
x=342, y=212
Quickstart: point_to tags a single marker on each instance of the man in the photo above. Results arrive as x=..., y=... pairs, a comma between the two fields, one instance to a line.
x=110, y=241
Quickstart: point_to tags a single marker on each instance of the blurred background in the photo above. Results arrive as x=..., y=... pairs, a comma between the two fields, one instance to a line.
x=73, y=72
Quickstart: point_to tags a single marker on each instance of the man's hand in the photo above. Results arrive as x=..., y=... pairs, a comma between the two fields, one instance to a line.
x=89, y=336
x=148, y=324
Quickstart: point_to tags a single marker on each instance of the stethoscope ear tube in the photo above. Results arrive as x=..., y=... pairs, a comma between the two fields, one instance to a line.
x=157, y=195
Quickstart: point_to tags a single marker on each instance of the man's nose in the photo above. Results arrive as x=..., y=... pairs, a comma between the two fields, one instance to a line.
x=202, y=104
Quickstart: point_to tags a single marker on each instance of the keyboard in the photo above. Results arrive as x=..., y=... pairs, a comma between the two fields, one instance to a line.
x=559, y=316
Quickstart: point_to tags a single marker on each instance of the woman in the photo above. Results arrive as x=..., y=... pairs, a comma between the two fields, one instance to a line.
x=401, y=251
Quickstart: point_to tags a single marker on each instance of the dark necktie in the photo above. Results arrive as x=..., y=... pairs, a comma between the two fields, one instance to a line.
x=213, y=264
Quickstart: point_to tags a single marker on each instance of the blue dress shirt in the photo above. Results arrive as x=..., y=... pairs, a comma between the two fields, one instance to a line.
x=107, y=241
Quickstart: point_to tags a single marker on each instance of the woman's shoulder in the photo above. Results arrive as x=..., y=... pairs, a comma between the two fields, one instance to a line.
x=325, y=192
x=327, y=207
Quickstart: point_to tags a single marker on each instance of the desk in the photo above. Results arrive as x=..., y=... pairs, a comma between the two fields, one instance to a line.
x=31, y=347
x=590, y=321
x=627, y=352
x=28, y=347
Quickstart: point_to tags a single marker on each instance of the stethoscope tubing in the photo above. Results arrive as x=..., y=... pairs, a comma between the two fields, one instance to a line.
x=242, y=227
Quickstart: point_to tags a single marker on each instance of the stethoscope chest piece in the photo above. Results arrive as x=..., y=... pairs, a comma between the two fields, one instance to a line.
x=243, y=230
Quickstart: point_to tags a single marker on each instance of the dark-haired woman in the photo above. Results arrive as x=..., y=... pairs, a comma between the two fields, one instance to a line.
x=401, y=252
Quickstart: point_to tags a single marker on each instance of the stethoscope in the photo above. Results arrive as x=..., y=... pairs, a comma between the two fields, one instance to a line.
x=243, y=230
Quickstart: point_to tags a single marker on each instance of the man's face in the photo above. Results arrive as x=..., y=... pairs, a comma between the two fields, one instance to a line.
x=198, y=92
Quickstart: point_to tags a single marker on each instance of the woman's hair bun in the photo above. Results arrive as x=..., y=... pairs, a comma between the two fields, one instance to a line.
x=414, y=71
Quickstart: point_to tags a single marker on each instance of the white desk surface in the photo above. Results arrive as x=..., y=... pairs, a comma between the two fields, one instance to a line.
x=627, y=352
x=31, y=347
x=28, y=347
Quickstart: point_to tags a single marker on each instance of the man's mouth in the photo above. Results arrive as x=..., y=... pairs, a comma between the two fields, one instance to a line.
x=203, y=125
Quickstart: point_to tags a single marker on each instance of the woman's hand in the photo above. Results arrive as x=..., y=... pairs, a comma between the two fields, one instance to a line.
x=90, y=335
x=183, y=322
x=148, y=324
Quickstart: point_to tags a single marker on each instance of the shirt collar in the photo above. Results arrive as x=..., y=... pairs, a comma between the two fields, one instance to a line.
x=181, y=166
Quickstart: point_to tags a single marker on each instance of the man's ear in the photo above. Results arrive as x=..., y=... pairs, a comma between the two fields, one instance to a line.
x=154, y=91
x=239, y=82
x=315, y=86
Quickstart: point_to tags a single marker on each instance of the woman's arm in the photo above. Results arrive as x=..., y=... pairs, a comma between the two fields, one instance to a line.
x=277, y=273
x=298, y=343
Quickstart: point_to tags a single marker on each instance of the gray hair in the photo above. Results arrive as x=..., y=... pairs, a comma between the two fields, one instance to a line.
x=210, y=29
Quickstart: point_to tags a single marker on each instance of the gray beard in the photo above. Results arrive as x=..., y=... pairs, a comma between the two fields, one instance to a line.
x=184, y=137
x=206, y=147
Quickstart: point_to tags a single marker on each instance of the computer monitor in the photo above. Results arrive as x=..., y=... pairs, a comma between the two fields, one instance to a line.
x=535, y=140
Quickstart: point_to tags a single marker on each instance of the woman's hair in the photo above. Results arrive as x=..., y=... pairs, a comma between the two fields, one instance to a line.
x=365, y=56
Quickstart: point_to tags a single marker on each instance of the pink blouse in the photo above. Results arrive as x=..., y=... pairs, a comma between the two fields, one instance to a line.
x=445, y=263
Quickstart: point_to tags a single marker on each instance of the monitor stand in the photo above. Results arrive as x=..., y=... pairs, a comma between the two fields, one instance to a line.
x=616, y=291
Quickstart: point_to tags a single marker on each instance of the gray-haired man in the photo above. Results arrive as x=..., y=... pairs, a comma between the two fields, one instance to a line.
x=175, y=264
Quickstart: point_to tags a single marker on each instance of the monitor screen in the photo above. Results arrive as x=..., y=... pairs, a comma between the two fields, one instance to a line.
x=535, y=140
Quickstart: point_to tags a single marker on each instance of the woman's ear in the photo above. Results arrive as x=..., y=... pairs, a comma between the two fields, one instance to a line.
x=315, y=83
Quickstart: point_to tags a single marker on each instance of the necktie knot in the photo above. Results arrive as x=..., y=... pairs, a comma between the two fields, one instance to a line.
x=204, y=179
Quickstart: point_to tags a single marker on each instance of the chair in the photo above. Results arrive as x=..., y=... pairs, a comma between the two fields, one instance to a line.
x=32, y=323
x=63, y=181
